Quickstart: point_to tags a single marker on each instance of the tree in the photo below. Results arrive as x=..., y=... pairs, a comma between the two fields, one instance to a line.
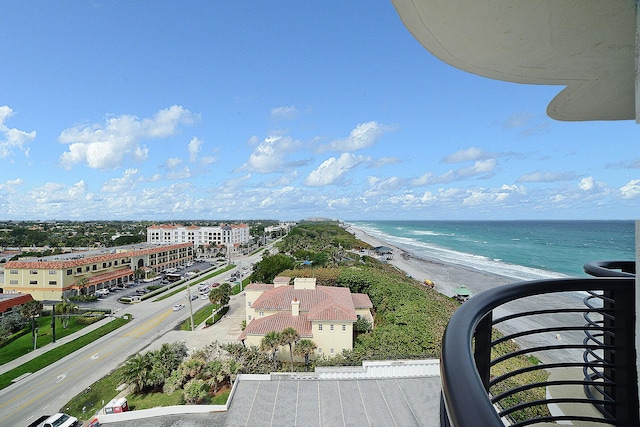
x=305, y=348
x=218, y=297
x=270, y=266
x=82, y=283
x=31, y=310
x=194, y=391
x=137, y=371
x=269, y=344
x=288, y=336
x=65, y=309
x=166, y=360
x=362, y=325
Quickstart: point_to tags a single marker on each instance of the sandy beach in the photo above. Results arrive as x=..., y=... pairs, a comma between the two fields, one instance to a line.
x=447, y=277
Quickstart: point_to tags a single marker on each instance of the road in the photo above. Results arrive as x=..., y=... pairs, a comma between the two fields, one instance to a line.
x=46, y=391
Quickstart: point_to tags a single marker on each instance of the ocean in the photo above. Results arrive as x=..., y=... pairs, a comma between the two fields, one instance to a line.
x=523, y=250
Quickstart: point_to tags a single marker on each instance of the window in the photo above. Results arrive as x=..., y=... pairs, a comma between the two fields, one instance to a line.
x=33, y=282
x=69, y=272
x=53, y=282
x=94, y=267
x=261, y=313
x=13, y=271
x=249, y=317
x=344, y=328
x=248, y=303
x=331, y=327
x=13, y=282
x=320, y=327
x=331, y=351
x=319, y=350
x=34, y=272
x=52, y=272
x=79, y=270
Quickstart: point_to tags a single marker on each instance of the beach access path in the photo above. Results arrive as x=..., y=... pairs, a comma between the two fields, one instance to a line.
x=447, y=277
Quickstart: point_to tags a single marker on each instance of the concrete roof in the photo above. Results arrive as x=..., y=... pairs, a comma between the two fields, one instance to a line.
x=586, y=45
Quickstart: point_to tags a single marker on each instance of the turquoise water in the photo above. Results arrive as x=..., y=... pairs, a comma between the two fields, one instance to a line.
x=523, y=250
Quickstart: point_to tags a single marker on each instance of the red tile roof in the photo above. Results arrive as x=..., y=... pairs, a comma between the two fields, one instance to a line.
x=361, y=301
x=52, y=264
x=321, y=303
x=258, y=286
x=278, y=322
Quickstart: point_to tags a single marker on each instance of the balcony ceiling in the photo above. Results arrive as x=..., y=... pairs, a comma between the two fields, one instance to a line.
x=586, y=45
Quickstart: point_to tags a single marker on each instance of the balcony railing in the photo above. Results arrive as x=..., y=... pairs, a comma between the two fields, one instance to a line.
x=578, y=335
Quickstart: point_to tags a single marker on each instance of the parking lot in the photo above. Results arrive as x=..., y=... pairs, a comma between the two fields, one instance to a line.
x=109, y=299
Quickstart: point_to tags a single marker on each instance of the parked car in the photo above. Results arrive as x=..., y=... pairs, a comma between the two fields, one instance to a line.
x=102, y=292
x=178, y=307
x=56, y=420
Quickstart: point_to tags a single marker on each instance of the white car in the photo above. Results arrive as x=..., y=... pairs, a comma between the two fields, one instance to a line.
x=60, y=420
x=178, y=307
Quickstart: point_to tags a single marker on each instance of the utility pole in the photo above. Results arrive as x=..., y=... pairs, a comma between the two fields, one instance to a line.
x=53, y=323
x=190, y=305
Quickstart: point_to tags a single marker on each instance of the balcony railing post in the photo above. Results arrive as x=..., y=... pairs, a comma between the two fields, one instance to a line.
x=482, y=352
x=625, y=375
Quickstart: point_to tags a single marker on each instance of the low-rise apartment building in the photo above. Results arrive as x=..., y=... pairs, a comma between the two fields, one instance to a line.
x=323, y=314
x=228, y=235
x=50, y=278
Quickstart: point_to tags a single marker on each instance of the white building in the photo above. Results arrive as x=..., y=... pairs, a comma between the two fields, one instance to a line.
x=229, y=235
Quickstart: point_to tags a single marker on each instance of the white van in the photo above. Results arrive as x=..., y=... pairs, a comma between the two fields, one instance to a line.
x=60, y=420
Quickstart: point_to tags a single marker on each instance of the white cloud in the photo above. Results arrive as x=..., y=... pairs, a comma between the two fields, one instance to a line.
x=482, y=168
x=123, y=184
x=469, y=154
x=587, y=183
x=381, y=187
x=194, y=148
x=284, y=113
x=269, y=155
x=364, y=135
x=333, y=169
x=518, y=121
x=631, y=189
x=540, y=176
x=385, y=161
x=107, y=146
x=172, y=163
x=12, y=138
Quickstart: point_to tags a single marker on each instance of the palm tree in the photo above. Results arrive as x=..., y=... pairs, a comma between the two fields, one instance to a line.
x=66, y=309
x=30, y=311
x=137, y=371
x=82, y=283
x=269, y=344
x=289, y=336
x=304, y=348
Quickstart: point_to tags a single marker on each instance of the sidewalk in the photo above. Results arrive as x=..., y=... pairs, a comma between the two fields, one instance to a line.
x=33, y=354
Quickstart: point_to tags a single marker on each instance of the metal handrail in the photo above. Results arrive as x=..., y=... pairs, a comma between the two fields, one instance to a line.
x=466, y=355
x=611, y=268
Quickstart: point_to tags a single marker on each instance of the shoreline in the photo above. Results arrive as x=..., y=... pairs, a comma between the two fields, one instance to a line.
x=445, y=275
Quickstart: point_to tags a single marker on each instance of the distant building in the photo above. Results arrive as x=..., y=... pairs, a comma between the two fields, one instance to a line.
x=323, y=314
x=229, y=235
x=49, y=278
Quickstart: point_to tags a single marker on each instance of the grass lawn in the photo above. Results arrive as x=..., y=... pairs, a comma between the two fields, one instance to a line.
x=58, y=353
x=92, y=399
x=198, y=317
x=151, y=400
x=24, y=344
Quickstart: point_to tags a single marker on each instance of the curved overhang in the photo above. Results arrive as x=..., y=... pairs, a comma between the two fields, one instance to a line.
x=586, y=45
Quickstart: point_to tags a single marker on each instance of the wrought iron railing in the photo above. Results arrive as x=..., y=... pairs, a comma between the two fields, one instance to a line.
x=577, y=334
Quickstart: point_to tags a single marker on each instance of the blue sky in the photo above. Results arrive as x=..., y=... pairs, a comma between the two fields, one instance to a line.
x=235, y=110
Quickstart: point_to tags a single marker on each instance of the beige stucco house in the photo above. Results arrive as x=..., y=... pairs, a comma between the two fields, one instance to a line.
x=323, y=314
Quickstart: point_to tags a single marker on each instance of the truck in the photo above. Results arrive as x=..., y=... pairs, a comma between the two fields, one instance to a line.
x=56, y=420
